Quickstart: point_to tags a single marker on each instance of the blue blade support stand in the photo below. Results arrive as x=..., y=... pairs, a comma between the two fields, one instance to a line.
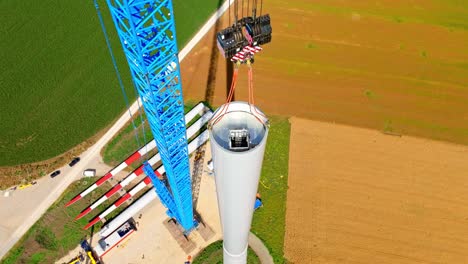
x=146, y=30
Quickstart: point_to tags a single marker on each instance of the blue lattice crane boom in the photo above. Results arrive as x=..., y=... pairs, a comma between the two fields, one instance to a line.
x=146, y=30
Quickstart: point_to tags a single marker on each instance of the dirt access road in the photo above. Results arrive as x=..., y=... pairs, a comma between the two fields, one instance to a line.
x=23, y=208
x=360, y=196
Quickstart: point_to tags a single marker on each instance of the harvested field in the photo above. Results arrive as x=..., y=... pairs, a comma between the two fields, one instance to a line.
x=360, y=196
x=387, y=65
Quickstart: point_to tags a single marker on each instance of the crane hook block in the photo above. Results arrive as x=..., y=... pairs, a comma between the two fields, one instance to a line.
x=231, y=40
x=259, y=30
x=242, y=40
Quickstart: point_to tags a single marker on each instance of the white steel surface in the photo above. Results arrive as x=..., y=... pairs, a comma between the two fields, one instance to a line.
x=237, y=174
x=129, y=212
x=198, y=109
x=146, y=198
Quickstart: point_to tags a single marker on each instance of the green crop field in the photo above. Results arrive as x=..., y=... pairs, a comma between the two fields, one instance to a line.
x=268, y=222
x=57, y=83
x=213, y=254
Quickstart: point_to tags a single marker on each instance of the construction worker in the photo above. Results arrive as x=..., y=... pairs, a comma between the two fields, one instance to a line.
x=258, y=201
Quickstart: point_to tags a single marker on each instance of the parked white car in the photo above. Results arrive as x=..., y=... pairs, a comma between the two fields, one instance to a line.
x=89, y=173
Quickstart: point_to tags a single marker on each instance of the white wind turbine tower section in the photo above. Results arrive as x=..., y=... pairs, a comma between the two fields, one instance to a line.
x=238, y=133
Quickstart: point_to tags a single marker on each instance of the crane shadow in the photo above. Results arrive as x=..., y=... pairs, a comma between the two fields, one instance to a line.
x=213, y=68
x=90, y=243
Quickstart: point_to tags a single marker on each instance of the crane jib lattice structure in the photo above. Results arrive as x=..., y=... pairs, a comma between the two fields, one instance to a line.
x=146, y=30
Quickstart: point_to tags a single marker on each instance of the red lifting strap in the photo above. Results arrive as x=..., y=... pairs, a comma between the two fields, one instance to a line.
x=225, y=107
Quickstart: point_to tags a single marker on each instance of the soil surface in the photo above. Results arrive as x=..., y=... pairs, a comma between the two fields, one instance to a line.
x=153, y=243
x=387, y=65
x=360, y=196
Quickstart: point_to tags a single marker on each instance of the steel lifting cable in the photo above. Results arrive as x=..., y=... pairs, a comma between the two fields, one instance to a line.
x=142, y=120
x=261, y=7
x=236, y=7
x=254, y=9
x=242, y=8
x=122, y=88
x=234, y=11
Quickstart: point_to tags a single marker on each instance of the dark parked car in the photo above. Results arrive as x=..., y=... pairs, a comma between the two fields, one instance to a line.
x=74, y=161
x=55, y=174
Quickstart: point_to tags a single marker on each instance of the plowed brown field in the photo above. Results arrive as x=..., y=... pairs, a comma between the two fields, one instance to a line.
x=389, y=65
x=359, y=196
